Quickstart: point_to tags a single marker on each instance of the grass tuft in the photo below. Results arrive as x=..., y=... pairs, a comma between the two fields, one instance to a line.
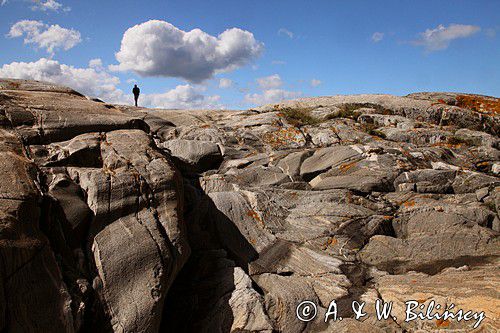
x=299, y=117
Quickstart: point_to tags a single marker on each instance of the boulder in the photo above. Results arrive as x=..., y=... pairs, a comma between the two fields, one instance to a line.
x=197, y=155
x=327, y=158
x=434, y=240
x=426, y=181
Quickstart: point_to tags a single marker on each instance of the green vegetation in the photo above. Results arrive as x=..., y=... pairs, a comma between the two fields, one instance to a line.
x=299, y=116
x=372, y=130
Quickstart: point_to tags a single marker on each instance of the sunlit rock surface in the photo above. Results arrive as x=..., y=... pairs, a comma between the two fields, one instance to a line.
x=124, y=219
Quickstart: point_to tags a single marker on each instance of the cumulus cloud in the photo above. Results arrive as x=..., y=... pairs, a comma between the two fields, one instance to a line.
x=43, y=36
x=270, y=91
x=377, y=37
x=225, y=83
x=47, y=5
x=183, y=97
x=270, y=82
x=285, y=32
x=96, y=63
x=96, y=82
x=157, y=48
x=315, y=82
x=271, y=96
x=88, y=81
x=441, y=37
x=44, y=6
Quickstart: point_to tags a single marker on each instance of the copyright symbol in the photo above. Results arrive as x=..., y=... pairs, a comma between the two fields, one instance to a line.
x=306, y=311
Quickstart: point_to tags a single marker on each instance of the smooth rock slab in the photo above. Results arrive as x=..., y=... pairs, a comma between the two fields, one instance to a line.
x=130, y=267
x=326, y=158
x=201, y=155
x=139, y=241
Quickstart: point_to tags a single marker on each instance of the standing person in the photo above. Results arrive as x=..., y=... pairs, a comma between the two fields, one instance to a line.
x=136, y=91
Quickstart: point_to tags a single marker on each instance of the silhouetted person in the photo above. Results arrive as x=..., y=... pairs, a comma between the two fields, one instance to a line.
x=136, y=91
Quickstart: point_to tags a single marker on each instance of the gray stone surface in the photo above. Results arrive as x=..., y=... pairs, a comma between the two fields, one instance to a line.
x=124, y=219
x=201, y=155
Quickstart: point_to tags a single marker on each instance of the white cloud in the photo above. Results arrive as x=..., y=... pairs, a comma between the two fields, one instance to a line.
x=88, y=81
x=285, y=32
x=96, y=82
x=441, y=37
x=270, y=82
x=377, y=37
x=182, y=97
x=44, y=36
x=157, y=48
x=96, y=63
x=315, y=82
x=46, y=5
x=130, y=81
x=271, y=96
x=270, y=91
x=225, y=83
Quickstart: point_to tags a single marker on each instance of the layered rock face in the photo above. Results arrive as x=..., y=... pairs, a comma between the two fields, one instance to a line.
x=92, y=232
x=123, y=219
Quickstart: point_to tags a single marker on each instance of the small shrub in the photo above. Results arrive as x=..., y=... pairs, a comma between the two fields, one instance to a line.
x=349, y=111
x=299, y=116
x=372, y=130
x=378, y=133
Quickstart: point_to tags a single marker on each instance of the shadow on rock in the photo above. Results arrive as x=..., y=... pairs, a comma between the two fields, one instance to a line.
x=199, y=300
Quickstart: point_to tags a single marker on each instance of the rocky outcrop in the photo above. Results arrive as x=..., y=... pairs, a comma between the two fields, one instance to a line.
x=114, y=218
x=92, y=230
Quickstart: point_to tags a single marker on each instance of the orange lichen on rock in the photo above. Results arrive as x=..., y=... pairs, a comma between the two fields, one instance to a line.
x=439, y=101
x=409, y=203
x=347, y=166
x=442, y=323
x=250, y=154
x=331, y=241
x=448, y=145
x=283, y=136
x=487, y=105
x=253, y=214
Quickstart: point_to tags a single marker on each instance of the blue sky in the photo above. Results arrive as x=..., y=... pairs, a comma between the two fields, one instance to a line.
x=291, y=48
